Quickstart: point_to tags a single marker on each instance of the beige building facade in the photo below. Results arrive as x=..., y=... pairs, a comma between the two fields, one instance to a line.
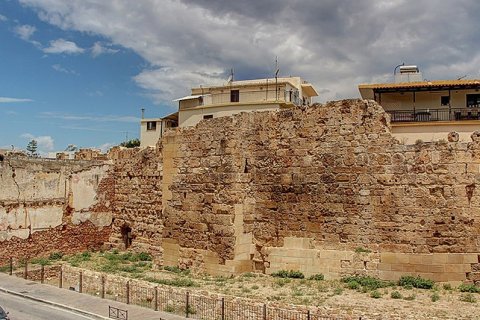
x=152, y=129
x=243, y=96
x=427, y=110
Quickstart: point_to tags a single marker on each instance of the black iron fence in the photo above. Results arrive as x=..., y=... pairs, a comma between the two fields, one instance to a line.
x=427, y=115
x=160, y=298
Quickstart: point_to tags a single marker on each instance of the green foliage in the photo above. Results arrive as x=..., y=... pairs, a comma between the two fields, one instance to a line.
x=468, y=288
x=40, y=261
x=354, y=285
x=447, y=286
x=177, y=270
x=375, y=294
x=281, y=282
x=468, y=297
x=362, y=250
x=178, y=282
x=248, y=275
x=435, y=297
x=169, y=308
x=255, y=287
x=368, y=283
x=338, y=291
x=396, y=295
x=76, y=259
x=288, y=274
x=56, y=256
x=32, y=148
x=317, y=277
x=416, y=282
x=131, y=143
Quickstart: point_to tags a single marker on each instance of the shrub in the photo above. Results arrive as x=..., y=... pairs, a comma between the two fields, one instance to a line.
x=375, y=294
x=416, y=282
x=447, y=286
x=40, y=261
x=56, y=256
x=396, y=295
x=248, y=275
x=317, y=277
x=338, y=291
x=255, y=287
x=469, y=288
x=368, y=283
x=354, y=285
x=144, y=256
x=288, y=274
x=468, y=297
x=435, y=297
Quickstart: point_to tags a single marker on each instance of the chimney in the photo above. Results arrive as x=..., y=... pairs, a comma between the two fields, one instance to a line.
x=143, y=113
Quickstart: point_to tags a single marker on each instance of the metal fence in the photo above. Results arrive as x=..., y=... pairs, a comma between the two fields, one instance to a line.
x=160, y=298
x=428, y=115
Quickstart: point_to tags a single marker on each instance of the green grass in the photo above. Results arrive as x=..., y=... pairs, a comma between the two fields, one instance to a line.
x=416, y=282
x=375, y=294
x=176, y=269
x=468, y=297
x=55, y=256
x=362, y=250
x=469, y=288
x=288, y=274
x=368, y=283
x=40, y=261
x=178, y=282
x=435, y=297
x=396, y=295
x=317, y=277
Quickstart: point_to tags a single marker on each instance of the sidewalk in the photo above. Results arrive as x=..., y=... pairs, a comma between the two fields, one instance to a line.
x=85, y=304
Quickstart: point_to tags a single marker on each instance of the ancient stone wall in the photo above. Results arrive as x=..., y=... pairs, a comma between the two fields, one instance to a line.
x=137, y=199
x=53, y=205
x=332, y=179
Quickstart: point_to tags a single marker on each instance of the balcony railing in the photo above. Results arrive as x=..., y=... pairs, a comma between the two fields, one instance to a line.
x=267, y=95
x=428, y=115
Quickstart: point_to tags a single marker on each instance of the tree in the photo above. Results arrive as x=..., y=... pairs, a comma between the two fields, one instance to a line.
x=32, y=148
x=131, y=143
x=71, y=148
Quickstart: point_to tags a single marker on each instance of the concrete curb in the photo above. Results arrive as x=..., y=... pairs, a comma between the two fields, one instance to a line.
x=55, y=304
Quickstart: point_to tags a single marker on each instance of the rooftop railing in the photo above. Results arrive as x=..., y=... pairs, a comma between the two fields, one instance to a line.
x=267, y=95
x=429, y=115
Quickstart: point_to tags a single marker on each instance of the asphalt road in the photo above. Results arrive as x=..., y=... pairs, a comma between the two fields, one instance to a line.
x=24, y=309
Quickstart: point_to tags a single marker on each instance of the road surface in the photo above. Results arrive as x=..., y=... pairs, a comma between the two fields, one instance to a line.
x=25, y=309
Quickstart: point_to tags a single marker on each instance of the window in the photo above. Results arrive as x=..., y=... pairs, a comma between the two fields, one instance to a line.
x=234, y=95
x=473, y=100
x=208, y=116
x=444, y=100
x=151, y=125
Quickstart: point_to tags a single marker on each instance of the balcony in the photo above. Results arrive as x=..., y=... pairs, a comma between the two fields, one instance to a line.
x=430, y=115
x=258, y=96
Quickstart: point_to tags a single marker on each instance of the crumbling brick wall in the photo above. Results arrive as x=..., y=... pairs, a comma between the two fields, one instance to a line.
x=53, y=206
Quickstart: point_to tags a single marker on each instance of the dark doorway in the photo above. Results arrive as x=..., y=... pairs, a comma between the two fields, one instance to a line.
x=126, y=235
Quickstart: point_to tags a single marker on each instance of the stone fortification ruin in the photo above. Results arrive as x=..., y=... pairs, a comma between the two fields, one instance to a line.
x=321, y=190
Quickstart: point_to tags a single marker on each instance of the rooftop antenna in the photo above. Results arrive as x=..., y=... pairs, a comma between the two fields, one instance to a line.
x=276, y=78
x=462, y=77
x=231, y=77
x=143, y=113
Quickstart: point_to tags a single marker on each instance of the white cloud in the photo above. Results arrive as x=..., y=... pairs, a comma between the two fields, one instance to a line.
x=95, y=118
x=25, y=31
x=334, y=44
x=45, y=143
x=63, y=46
x=3, y=18
x=59, y=68
x=13, y=100
x=99, y=49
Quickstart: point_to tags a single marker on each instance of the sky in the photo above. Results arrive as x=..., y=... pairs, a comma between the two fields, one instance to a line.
x=79, y=71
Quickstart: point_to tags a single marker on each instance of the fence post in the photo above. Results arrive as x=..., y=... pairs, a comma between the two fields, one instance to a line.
x=11, y=265
x=187, y=306
x=60, y=279
x=156, y=298
x=80, y=281
x=264, y=311
x=128, y=292
x=223, y=308
x=42, y=274
x=308, y=314
x=25, y=273
x=103, y=286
